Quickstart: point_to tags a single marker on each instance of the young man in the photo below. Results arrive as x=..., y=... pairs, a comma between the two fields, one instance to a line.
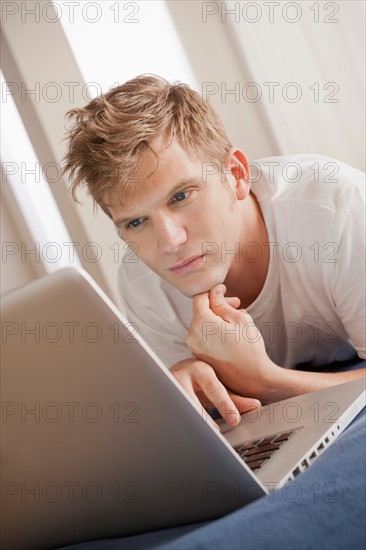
x=282, y=238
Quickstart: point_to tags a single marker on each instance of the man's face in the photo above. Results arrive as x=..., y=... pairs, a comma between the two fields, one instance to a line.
x=182, y=221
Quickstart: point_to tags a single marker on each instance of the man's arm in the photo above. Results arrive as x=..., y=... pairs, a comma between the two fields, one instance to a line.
x=239, y=357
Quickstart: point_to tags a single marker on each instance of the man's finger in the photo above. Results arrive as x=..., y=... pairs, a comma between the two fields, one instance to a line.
x=218, y=395
x=186, y=383
x=233, y=301
x=220, y=306
x=245, y=404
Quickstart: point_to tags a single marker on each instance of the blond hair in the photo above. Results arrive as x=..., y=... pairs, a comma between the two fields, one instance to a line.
x=110, y=134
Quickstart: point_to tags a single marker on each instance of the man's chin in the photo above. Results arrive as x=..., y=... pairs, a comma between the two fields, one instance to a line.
x=198, y=288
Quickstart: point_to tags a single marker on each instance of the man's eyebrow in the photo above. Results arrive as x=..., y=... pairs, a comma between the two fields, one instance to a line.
x=175, y=189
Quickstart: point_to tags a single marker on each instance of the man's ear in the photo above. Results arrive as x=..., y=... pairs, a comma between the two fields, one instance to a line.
x=237, y=164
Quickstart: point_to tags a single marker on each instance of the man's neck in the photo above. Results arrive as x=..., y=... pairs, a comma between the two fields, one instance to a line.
x=246, y=278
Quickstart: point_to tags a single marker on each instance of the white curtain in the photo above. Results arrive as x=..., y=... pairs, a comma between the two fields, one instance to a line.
x=308, y=61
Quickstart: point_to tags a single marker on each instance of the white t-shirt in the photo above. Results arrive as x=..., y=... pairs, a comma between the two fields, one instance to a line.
x=312, y=305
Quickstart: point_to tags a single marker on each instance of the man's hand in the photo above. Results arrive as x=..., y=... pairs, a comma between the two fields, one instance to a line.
x=201, y=383
x=227, y=339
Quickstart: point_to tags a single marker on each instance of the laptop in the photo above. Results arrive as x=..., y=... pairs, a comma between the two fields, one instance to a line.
x=99, y=440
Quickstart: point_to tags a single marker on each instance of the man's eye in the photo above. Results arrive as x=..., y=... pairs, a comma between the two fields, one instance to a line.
x=179, y=197
x=135, y=223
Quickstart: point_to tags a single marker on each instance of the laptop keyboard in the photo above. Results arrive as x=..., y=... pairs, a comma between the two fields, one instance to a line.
x=257, y=451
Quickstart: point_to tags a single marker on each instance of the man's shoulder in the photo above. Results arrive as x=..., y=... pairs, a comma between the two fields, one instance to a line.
x=308, y=177
x=307, y=162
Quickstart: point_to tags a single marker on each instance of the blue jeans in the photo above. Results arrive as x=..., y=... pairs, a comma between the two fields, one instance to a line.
x=323, y=509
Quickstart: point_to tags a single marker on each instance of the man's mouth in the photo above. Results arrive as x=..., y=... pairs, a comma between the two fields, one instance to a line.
x=187, y=265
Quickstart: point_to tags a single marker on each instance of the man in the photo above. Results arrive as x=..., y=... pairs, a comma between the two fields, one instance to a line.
x=286, y=245
x=283, y=239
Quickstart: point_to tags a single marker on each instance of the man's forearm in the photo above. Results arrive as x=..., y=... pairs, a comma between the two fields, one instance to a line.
x=285, y=383
x=244, y=366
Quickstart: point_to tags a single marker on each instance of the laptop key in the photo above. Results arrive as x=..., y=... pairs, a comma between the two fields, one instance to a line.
x=255, y=464
x=258, y=456
x=246, y=446
x=264, y=448
x=283, y=437
x=257, y=449
x=266, y=440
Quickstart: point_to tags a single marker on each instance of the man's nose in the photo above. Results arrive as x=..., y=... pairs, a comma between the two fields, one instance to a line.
x=170, y=232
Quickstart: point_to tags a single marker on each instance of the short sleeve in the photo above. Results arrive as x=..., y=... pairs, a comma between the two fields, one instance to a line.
x=349, y=282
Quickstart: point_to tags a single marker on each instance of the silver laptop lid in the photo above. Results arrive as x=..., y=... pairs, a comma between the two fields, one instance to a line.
x=98, y=438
